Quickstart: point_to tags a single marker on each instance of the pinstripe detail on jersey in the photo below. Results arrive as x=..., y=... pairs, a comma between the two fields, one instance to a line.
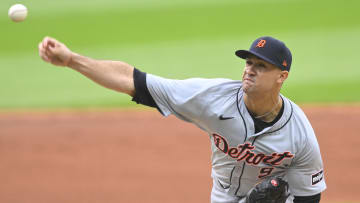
x=246, y=134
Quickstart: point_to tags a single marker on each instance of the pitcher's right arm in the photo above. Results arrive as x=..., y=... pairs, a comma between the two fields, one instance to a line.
x=116, y=75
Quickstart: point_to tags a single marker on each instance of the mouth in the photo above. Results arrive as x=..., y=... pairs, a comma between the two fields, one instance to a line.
x=248, y=79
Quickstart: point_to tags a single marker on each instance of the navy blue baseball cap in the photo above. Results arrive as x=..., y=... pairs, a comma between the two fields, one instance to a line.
x=270, y=50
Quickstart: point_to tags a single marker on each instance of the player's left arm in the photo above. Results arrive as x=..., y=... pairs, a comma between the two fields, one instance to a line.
x=306, y=174
x=308, y=199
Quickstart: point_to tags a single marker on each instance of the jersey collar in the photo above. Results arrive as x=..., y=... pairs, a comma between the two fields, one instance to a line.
x=285, y=118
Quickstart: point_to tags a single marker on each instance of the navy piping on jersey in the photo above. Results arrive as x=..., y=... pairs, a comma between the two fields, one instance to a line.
x=237, y=102
x=261, y=125
x=238, y=108
x=243, y=167
x=232, y=171
x=292, y=110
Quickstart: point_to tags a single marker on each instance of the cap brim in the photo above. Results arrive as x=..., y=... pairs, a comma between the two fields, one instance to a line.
x=242, y=53
x=245, y=53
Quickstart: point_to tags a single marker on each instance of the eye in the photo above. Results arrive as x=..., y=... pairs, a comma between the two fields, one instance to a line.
x=261, y=65
x=248, y=62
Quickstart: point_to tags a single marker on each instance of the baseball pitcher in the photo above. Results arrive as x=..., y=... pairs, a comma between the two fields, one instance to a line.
x=263, y=146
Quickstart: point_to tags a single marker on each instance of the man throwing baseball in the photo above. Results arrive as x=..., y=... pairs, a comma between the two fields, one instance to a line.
x=263, y=146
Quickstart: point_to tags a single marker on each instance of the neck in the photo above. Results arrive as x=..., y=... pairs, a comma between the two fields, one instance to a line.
x=264, y=107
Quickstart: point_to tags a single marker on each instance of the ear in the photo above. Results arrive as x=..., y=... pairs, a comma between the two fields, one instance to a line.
x=283, y=76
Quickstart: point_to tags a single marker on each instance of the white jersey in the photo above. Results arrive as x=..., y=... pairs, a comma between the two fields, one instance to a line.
x=240, y=157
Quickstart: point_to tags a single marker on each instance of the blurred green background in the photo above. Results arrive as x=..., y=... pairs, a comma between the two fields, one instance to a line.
x=177, y=39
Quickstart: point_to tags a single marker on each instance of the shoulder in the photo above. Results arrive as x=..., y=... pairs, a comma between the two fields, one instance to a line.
x=204, y=81
x=190, y=96
x=300, y=126
x=193, y=84
x=299, y=118
x=303, y=134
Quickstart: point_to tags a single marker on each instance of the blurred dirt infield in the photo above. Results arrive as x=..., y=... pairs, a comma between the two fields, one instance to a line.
x=133, y=156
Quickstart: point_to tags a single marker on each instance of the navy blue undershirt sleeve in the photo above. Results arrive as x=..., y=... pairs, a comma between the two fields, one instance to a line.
x=142, y=94
x=308, y=199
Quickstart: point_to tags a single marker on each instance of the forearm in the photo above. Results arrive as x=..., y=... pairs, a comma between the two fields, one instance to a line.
x=308, y=199
x=114, y=75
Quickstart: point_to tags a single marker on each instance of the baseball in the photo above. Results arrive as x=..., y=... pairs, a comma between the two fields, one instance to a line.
x=17, y=12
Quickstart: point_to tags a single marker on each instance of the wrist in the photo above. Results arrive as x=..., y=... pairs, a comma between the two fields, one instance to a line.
x=69, y=60
x=78, y=62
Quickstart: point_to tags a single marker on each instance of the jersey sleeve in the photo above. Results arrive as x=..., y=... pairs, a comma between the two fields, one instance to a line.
x=186, y=99
x=306, y=174
x=142, y=94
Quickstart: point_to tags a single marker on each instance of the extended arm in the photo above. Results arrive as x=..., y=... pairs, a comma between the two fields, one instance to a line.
x=114, y=75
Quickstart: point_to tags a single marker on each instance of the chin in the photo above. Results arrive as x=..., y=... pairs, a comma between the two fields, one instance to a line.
x=248, y=86
x=247, y=89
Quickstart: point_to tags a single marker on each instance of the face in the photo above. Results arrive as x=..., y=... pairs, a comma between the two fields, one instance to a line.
x=260, y=76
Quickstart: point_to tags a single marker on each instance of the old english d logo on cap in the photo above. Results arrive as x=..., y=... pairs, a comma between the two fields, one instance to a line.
x=261, y=43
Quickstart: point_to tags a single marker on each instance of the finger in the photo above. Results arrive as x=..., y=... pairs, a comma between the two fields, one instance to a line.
x=51, y=50
x=44, y=42
x=51, y=42
x=41, y=46
x=47, y=42
x=45, y=58
x=41, y=49
x=48, y=53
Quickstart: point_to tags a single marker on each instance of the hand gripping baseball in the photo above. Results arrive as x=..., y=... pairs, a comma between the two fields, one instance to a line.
x=54, y=52
x=270, y=190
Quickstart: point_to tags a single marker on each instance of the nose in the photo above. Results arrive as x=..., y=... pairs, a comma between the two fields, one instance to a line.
x=250, y=70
